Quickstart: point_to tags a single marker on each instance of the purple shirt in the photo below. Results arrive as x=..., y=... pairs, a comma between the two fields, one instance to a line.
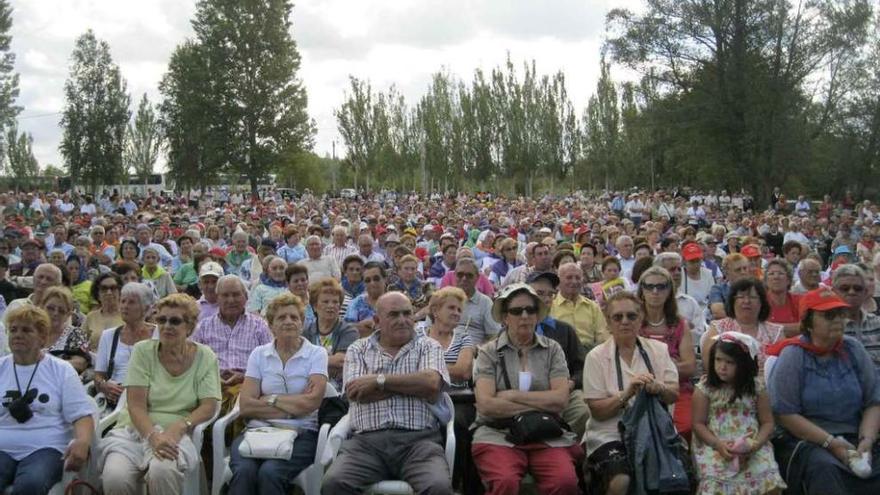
x=206, y=309
x=233, y=345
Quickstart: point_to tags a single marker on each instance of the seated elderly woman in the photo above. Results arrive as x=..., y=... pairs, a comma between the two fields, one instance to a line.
x=614, y=373
x=44, y=407
x=516, y=374
x=272, y=283
x=283, y=387
x=116, y=344
x=329, y=330
x=65, y=340
x=173, y=384
x=749, y=309
x=825, y=394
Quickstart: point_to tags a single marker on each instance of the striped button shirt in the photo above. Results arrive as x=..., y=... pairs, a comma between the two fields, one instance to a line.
x=339, y=253
x=366, y=357
x=233, y=345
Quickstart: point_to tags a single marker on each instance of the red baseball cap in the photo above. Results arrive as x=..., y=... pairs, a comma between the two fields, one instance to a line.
x=822, y=299
x=691, y=251
x=750, y=251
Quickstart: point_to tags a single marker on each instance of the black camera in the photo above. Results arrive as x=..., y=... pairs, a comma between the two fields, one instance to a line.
x=20, y=408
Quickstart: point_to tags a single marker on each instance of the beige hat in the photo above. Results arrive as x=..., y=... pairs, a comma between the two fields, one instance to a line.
x=512, y=290
x=211, y=268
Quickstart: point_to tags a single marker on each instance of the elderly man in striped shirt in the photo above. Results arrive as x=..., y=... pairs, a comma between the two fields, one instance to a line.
x=232, y=334
x=390, y=378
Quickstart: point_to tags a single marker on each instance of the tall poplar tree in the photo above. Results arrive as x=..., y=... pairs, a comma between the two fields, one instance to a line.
x=95, y=115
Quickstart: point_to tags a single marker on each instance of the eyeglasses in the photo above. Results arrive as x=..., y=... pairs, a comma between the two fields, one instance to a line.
x=108, y=288
x=369, y=280
x=619, y=317
x=406, y=313
x=655, y=287
x=173, y=321
x=858, y=289
x=518, y=311
x=465, y=275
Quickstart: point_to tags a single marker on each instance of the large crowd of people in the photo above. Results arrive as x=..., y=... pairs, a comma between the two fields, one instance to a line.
x=628, y=342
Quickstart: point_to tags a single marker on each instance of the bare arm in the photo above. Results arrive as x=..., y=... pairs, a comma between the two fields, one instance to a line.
x=708, y=339
x=765, y=419
x=791, y=329
x=77, y=452
x=462, y=370
x=136, y=398
x=553, y=400
x=335, y=362
x=687, y=358
x=868, y=428
x=803, y=428
x=252, y=405
x=424, y=384
x=489, y=404
x=203, y=412
x=299, y=405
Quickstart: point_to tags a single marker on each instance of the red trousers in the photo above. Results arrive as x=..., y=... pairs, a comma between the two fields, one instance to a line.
x=681, y=416
x=502, y=468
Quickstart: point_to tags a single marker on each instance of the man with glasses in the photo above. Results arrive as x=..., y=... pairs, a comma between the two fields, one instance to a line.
x=570, y=306
x=849, y=282
x=391, y=379
x=576, y=412
x=476, y=316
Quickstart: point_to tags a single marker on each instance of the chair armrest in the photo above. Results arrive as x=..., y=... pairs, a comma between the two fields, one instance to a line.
x=334, y=440
x=218, y=441
x=450, y=444
x=199, y=431
x=323, y=436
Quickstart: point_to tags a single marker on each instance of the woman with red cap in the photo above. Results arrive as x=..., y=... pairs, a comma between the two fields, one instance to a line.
x=825, y=394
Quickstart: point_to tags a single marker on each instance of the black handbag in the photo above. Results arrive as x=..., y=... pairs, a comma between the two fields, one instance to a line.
x=531, y=426
x=332, y=410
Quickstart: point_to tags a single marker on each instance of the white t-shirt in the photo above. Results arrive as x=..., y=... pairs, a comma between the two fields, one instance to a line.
x=61, y=399
x=698, y=289
x=123, y=354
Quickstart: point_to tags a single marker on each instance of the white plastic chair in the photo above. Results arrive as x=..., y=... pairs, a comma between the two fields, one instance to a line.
x=342, y=430
x=194, y=479
x=309, y=479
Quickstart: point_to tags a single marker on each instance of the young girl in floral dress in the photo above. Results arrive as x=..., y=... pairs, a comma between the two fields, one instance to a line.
x=733, y=422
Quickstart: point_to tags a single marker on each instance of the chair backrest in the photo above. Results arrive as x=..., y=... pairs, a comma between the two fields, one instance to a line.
x=330, y=391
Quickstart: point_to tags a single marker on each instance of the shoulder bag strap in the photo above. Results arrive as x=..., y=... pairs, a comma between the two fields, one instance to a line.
x=617, y=363
x=113, y=347
x=504, y=370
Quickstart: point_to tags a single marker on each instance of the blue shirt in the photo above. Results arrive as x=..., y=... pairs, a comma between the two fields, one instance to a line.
x=359, y=309
x=718, y=293
x=831, y=391
x=291, y=254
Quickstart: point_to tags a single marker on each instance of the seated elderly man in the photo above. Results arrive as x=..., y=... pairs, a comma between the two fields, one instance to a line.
x=390, y=377
x=46, y=275
x=232, y=334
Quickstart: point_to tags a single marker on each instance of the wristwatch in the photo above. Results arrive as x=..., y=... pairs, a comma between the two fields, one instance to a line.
x=380, y=381
x=189, y=424
x=272, y=400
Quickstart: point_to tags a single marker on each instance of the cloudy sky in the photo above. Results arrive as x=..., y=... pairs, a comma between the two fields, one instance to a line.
x=388, y=42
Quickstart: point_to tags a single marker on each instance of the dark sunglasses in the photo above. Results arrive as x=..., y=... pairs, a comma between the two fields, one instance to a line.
x=518, y=311
x=858, y=289
x=631, y=316
x=173, y=321
x=655, y=287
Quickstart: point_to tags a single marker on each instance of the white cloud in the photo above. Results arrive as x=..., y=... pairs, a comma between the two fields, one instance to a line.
x=386, y=41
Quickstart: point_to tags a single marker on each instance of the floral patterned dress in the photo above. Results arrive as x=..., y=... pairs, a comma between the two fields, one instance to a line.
x=729, y=422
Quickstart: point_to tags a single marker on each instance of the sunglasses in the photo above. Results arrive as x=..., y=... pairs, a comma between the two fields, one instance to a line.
x=655, y=287
x=518, y=311
x=173, y=321
x=619, y=317
x=858, y=289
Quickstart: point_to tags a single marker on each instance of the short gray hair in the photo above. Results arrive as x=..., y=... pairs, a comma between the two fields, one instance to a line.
x=313, y=238
x=467, y=261
x=665, y=257
x=143, y=292
x=229, y=278
x=848, y=270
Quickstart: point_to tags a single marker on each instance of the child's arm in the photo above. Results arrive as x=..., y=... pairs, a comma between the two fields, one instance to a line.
x=765, y=419
x=699, y=416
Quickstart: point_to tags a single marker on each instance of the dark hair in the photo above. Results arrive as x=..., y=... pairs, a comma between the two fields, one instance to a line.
x=185, y=237
x=294, y=269
x=557, y=259
x=352, y=258
x=96, y=289
x=746, y=285
x=670, y=306
x=610, y=260
x=123, y=267
x=376, y=265
x=587, y=245
x=746, y=369
x=4, y=262
x=639, y=268
x=137, y=249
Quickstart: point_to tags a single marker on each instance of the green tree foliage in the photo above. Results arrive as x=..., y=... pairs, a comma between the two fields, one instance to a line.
x=143, y=141
x=22, y=164
x=744, y=89
x=8, y=78
x=251, y=60
x=95, y=116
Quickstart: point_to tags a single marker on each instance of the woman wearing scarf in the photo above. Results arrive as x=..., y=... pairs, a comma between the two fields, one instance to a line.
x=80, y=285
x=154, y=275
x=272, y=283
x=506, y=261
x=825, y=394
